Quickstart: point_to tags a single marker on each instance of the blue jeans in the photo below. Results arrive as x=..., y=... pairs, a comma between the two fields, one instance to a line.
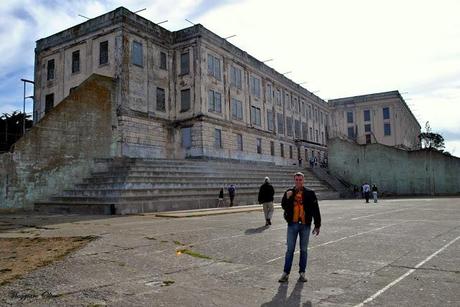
x=303, y=231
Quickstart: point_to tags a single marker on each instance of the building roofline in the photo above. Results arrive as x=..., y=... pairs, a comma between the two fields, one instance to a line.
x=120, y=15
x=203, y=32
x=372, y=97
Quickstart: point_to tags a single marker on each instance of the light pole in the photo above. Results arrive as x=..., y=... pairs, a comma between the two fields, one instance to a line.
x=24, y=105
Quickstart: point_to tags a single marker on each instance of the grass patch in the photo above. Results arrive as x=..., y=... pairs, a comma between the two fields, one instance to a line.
x=20, y=256
x=192, y=253
x=167, y=283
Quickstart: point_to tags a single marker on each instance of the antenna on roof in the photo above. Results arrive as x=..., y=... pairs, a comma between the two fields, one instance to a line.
x=302, y=83
x=230, y=36
x=84, y=16
x=140, y=10
x=267, y=60
x=189, y=21
x=158, y=23
x=285, y=73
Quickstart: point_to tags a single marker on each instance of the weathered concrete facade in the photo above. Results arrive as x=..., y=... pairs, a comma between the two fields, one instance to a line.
x=395, y=171
x=63, y=147
x=182, y=94
x=382, y=118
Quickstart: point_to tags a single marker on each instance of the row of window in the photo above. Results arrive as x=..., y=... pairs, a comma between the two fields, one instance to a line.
x=352, y=134
x=103, y=59
x=367, y=115
x=236, y=77
x=187, y=143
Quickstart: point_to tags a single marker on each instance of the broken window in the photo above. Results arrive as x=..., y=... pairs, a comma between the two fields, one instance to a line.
x=255, y=116
x=289, y=126
x=214, y=101
x=185, y=100
x=214, y=66
x=76, y=61
x=270, y=125
x=184, y=63
x=280, y=123
x=161, y=101
x=137, y=54
x=103, y=52
x=236, y=77
x=163, y=61
x=237, y=109
x=255, y=86
x=50, y=70
x=297, y=129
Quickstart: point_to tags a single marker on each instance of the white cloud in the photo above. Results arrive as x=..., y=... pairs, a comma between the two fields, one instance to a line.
x=340, y=48
x=346, y=48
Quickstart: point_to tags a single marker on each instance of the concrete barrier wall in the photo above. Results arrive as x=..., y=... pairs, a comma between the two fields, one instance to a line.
x=394, y=171
x=60, y=149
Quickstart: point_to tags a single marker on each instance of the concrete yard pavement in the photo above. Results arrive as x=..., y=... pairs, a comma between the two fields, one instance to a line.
x=399, y=252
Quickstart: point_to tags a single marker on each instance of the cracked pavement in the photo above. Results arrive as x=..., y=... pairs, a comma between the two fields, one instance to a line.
x=399, y=252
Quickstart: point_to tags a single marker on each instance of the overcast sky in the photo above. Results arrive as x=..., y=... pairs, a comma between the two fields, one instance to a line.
x=340, y=48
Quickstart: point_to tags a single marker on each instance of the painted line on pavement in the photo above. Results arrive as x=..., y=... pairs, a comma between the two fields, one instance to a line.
x=337, y=240
x=397, y=280
x=369, y=215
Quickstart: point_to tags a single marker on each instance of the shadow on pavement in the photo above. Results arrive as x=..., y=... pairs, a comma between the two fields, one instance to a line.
x=252, y=231
x=281, y=298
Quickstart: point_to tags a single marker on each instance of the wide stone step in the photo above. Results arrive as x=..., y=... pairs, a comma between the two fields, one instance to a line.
x=228, y=172
x=190, y=190
x=146, y=184
x=132, y=206
x=204, y=167
x=189, y=178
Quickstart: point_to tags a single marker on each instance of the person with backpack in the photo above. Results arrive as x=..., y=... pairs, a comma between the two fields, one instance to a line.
x=231, y=193
x=266, y=193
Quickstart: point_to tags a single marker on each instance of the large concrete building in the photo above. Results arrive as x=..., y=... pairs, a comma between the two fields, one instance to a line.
x=382, y=118
x=188, y=93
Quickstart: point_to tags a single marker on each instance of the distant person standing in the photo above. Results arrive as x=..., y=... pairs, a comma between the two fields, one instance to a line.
x=231, y=193
x=266, y=193
x=374, y=193
x=220, y=199
x=366, y=191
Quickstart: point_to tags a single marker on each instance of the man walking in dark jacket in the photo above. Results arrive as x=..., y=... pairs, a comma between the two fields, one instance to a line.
x=300, y=206
x=266, y=193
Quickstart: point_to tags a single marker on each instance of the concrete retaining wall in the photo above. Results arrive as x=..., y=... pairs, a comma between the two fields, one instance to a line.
x=394, y=171
x=60, y=149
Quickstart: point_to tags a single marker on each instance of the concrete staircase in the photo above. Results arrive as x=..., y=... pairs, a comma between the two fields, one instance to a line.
x=131, y=186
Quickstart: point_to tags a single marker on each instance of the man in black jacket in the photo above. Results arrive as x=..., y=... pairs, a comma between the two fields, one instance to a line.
x=300, y=206
x=266, y=193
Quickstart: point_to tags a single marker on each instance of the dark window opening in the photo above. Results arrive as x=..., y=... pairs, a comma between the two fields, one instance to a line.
x=103, y=53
